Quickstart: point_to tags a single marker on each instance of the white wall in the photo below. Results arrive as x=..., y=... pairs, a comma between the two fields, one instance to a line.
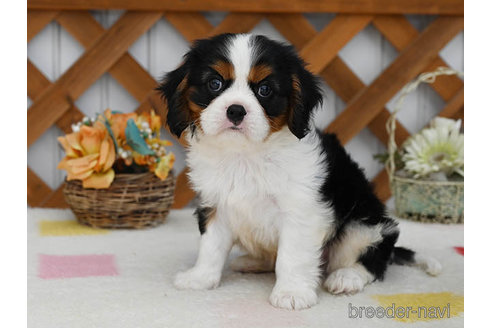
x=159, y=50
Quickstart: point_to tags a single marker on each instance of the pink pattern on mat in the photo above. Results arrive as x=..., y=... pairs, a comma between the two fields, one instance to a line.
x=71, y=266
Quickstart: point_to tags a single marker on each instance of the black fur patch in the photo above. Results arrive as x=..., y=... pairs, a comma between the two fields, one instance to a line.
x=196, y=72
x=347, y=188
x=352, y=197
x=288, y=70
x=377, y=257
x=203, y=215
x=403, y=256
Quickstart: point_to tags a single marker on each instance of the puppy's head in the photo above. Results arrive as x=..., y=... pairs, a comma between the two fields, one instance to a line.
x=242, y=85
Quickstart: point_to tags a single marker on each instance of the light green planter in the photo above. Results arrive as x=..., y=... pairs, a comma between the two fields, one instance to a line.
x=429, y=201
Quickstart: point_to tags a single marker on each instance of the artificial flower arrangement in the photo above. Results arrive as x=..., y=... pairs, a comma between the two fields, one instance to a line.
x=114, y=142
x=436, y=153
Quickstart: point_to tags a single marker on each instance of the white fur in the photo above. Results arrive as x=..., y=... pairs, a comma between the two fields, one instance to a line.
x=348, y=280
x=356, y=239
x=249, y=264
x=265, y=189
x=267, y=195
x=254, y=125
x=214, y=248
x=428, y=264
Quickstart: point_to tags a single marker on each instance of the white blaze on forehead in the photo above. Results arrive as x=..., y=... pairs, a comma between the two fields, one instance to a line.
x=240, y=54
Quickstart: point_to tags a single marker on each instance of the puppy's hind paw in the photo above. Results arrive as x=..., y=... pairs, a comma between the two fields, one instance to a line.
x=345, y=281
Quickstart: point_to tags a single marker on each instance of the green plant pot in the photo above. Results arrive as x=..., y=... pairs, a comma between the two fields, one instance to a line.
x=429, y=201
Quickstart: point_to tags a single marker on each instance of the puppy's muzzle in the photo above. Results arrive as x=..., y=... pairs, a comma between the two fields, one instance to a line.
x=235, y=114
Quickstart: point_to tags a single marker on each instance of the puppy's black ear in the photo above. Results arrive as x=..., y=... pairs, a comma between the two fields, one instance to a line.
x=306, y=96
x=173, y=88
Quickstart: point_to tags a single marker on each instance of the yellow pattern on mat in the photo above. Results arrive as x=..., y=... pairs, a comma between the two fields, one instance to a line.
x=67, y=228
x=421, y=307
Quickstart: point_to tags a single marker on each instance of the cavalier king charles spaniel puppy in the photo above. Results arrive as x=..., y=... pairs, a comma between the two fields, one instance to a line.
x=289, y=196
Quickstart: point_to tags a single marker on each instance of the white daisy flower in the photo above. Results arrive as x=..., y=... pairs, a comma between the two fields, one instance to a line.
x=435, y=149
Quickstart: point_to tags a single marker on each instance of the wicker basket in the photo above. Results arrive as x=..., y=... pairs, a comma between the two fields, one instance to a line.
x=421, y=200
x=133, y=201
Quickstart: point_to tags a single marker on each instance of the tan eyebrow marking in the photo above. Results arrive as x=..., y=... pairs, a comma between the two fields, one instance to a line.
x=259, y=73
x=226, y=70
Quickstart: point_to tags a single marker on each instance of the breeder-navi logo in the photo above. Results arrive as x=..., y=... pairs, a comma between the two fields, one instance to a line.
x=400, y=312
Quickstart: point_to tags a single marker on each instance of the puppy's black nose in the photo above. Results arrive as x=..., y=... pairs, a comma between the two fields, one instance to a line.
x=235, y=114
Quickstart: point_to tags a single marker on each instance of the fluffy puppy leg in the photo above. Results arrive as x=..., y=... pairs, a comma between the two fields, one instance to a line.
x=360, y=256
x=298, y=260
x=215, y=244
x=250, y=264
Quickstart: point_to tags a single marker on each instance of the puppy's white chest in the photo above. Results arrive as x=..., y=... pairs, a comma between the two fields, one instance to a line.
x=254, y=187
x=233, y=179
x=244, y=189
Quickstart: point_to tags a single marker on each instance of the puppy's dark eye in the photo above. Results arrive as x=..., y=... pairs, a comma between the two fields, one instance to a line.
x=264, y=90
x=215, y=84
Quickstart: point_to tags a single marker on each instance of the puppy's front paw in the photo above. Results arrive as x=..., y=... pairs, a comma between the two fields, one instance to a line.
x=292, y=298
x=195, y=279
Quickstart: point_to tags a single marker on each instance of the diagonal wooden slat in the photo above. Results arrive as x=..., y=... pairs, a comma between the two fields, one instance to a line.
x=37, y=20
x=381, y=185
x=418, y=55
x=237, y=23
x=347, y=85
x=321, y=49
x=453, y=7
x=91, y=65
x=36, y=189
x=192, y=26
x=400, y=33
x=454, y=107
x=83, y=27
x=295, y=27
x=129, y=73
x=55, y=199
x=38, y=193
x=37, y=83
x=459, y=115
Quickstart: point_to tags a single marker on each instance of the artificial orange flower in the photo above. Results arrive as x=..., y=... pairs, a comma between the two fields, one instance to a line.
x=118, y=122
x=91, y=150
x=90, y=154
x=143, y=159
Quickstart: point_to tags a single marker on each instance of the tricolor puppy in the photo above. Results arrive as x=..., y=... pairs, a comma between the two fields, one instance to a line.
x=289, y=196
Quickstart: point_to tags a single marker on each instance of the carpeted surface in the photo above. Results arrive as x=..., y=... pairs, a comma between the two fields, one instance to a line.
x=84, y=277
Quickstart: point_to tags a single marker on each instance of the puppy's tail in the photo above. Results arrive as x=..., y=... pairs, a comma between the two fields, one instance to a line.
x=405, y=256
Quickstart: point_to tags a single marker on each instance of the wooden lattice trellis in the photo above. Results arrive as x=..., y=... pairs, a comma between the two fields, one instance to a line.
x=106, y=51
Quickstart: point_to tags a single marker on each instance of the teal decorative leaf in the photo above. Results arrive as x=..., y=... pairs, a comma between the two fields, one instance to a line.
x=108, y=127
x=135, y=140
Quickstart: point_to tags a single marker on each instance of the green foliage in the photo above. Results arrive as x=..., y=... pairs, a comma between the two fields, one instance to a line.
x=384, y=157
